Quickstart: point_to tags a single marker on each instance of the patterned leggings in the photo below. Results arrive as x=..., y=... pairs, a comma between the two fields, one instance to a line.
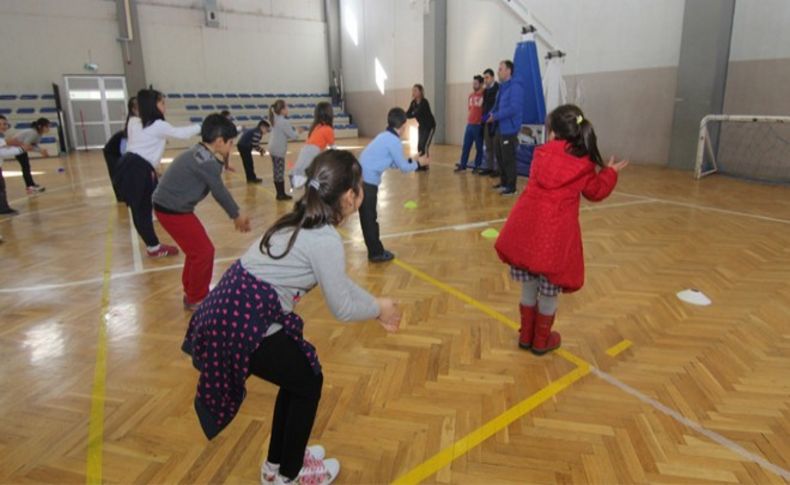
x=278, y=168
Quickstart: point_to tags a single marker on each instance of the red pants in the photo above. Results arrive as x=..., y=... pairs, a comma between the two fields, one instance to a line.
x=191, y=237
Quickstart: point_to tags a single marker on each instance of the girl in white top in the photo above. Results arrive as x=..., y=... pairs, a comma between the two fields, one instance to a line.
x=136, y=176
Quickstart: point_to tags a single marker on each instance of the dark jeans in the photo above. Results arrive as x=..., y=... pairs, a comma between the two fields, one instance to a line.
x=368, y=218
x=246, y=159
x=506, y=152
x=473, y=134
x=280, y=361
x=24, y=162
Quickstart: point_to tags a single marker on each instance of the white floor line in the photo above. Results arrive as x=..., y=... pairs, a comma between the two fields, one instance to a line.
x=454, y=227
x=712, y=435
x=708, y=208
x=136, y=256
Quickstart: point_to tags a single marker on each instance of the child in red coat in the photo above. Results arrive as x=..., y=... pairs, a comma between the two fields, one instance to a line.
x=541, y=240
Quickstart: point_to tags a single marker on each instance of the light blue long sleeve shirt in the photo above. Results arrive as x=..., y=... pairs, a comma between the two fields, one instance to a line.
x=384, y=152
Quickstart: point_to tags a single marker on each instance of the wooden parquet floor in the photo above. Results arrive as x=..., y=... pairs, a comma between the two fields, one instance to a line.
x=701, y=394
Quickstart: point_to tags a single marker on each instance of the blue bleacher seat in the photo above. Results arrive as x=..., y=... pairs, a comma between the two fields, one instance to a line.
x=256, y=117
x=257, y=95
x=174, y=96
x=244, y=95
x=268, y=95
x=28, y=96
x=5, y=111
x=236, y=106
x=48, y=139
x=25, y=111
x=263, y=106
x=242, y=118
x=195, y=119
x=231, y=95
x=217, y=95
x=203, y=95
x=352, y=126
x=47, y=96
x=222, y=106
x=188, y=96
x=22, y=126
x=192, y=107
x=250, y=106
x=207, y=106
x=7, y=97
x=53, y=124
x=48, y=110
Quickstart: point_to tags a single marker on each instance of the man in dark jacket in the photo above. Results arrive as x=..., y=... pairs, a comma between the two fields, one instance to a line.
x=490, y=166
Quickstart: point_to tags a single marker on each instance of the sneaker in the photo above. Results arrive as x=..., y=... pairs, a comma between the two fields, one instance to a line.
x=382, y=258
x=284, y=197
x=484, y=171
x=498, y=186
x=9, y=212
x=508, y=191
x=424, y=168
x=35, y=189
x=162, y=251
x=313, y=455
x=323, y=473
x=298, y=181
x=255, y=181
x=459, y=168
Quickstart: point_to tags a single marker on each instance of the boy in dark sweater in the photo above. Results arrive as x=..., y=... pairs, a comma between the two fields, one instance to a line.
x=251, y=140
x=490, y=166
x=188, y=180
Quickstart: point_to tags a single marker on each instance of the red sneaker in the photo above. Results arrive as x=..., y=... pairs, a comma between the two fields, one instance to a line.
x=163, y=251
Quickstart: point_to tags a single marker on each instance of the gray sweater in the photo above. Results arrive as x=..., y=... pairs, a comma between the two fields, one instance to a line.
x=282, y=131
x=317, y=258
x=189, y=179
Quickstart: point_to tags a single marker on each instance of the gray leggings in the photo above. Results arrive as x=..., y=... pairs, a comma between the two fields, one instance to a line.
x=278, y=168
x=532, y=295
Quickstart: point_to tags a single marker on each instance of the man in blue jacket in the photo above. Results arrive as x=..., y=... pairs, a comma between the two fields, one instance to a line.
x=507, y=113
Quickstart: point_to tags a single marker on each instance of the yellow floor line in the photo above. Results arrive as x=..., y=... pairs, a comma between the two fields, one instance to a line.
x=460, y=447
x=616, y=349
x=96, y=426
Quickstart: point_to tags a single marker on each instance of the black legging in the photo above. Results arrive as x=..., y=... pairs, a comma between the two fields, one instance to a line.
x=24, y=162
x=280, y=361
x=136, y=180
x=111, y=159
x=424, y=139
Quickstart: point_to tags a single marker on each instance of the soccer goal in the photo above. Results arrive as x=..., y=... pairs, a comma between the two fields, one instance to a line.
x=745, y=146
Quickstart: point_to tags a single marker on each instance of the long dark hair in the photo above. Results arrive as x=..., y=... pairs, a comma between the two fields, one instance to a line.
x=334, y=172
x=323, y=115
x=275, y=109
x=422, y=91
x=146, y=105
x=130, y=105
x=40, y=124
x=570, y=125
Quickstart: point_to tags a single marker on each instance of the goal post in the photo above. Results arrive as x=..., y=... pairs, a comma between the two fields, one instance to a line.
x=749, y=146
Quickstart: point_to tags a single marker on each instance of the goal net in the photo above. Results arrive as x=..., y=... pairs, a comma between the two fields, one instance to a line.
x=745, y=146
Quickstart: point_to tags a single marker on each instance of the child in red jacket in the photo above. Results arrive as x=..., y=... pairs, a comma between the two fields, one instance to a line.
x=541, y=240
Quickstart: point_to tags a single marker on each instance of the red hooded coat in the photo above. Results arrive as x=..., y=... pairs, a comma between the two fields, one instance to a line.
x=542, y=233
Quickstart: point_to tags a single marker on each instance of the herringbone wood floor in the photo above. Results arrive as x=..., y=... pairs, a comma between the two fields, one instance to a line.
x=392, y=402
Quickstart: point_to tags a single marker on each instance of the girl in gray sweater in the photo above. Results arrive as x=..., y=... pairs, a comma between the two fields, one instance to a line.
x=28, y=140
x=282, y=131
x=247, y=325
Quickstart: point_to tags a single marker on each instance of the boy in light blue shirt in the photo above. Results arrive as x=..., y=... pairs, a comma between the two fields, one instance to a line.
x=383, y=153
